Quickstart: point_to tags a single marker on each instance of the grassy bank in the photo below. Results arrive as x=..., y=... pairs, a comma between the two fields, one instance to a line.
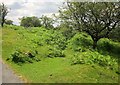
x=61, y=60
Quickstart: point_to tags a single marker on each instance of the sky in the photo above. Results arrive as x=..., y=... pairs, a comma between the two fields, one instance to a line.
x=20, y=8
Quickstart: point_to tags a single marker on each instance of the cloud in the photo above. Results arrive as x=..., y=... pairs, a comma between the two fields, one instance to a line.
x=15, y=6
x=20, y=8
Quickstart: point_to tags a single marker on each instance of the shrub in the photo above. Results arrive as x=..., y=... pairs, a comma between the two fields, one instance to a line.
x=58, y=40
x=81, y=40
x=37, y=41
x=18, y=57
x=106, y=45
x=94, y=57
x=24, y=56
x=50, y=37
x=55, y=53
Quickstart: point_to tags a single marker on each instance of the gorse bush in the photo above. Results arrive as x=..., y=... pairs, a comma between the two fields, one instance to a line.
x=94, y=58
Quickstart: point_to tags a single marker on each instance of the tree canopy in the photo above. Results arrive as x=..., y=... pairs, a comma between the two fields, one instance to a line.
x=8, y=22
x=47, y=22
x=30, y=22
x=98, y=19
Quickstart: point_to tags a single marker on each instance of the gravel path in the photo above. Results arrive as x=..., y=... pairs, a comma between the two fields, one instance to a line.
x=8, y=76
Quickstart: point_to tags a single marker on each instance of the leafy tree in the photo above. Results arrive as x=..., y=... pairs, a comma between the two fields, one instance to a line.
x=3, y=13
x=66, y=29
x=30, y=22
x=115, y=34
x=97, y=19
x=9, y=22
x=47, y=22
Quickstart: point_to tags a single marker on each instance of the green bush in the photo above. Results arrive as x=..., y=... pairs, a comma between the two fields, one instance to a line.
x=58, y=40
x=50, y=37
x=20, y=56
x=106, y=45
x=38, y=41
x=55, y=53
x=94, y=57
x=81, y=40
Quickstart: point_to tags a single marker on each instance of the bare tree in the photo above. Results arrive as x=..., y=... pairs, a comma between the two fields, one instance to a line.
x=3, y=13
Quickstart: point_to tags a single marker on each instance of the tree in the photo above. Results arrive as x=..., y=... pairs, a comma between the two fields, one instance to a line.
x=115, y=34
x=30, y=22
x=9, y=22
x=47, y=22
x=3, y=13
x=97, y=19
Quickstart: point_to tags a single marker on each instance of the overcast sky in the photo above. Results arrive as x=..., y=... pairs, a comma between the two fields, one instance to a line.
x=20, y=8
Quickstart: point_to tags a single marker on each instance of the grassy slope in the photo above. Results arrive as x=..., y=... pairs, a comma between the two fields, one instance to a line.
x=51, y=69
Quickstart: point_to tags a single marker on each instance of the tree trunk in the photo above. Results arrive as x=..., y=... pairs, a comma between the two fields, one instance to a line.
x=2, y=21
x=94, y=44
x=2, y=24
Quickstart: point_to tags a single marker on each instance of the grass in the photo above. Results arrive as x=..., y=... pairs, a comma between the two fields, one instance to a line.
x=56, y=69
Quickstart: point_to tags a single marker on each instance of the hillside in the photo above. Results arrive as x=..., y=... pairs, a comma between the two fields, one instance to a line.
x=47, y=56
